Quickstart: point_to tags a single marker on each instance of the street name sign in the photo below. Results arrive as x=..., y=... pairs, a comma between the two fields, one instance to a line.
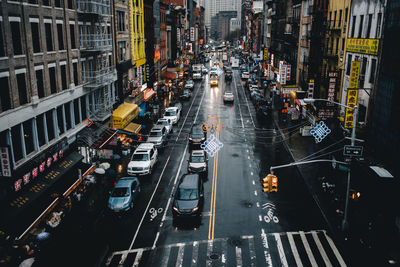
x=353, y=151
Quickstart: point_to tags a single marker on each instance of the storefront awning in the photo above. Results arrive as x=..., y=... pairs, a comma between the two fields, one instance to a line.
x=18, y=213
x=168, y=75
x=148, y=94
x=133, y=128
x=104, y=139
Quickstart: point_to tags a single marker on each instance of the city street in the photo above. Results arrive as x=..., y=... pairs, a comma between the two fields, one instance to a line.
x=240, y=224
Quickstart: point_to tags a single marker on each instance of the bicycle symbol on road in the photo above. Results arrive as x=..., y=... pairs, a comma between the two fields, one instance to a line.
x=270, y=213
x=155, y=212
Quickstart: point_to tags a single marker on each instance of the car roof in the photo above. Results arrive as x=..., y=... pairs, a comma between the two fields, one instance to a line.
x=125, y=182
x=145, y=146
x=198, y=153
x=163, y=119
x=157, y=127
x=228, y=92
x=171, y=108
x=189, y=181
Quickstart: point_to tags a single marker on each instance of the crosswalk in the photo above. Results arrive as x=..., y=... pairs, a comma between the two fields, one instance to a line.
x=313, y=248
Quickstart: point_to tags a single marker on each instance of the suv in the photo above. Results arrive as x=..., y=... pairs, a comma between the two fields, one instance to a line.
x=197, y=162
x=196, y=135
x=143, y=159
x=189, y=196
x=124, y=194
x=173, y=114
x=158, y=136
x=165, y=122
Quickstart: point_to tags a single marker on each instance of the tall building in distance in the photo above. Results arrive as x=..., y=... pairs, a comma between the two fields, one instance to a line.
x=212, y=7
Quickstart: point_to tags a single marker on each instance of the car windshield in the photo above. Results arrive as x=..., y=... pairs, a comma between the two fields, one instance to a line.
x=186, y=92
x=170, y=113
x=162, y=122
x=187, y=194
x=155, y=133
x=228, y=94
x=197, y=130
x=120, y=192
x=140, y=157
x=198, y=159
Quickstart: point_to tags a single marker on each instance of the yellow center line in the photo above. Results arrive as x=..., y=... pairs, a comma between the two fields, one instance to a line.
x=211, y=202
x=215, y=195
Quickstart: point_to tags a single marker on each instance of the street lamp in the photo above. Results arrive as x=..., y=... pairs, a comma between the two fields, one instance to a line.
x=353, y=138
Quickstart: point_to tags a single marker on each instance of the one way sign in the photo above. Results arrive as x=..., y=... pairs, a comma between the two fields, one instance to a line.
x=355, y=151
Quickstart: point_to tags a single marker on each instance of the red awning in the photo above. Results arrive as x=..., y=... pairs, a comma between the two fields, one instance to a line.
x=170, y=75
x=148, y=94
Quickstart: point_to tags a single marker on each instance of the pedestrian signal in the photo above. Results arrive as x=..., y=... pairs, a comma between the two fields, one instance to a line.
x=274, y=183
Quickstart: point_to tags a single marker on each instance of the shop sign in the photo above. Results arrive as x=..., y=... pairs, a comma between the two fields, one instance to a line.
x=352, y=94
x=191, y=34
x=266, y=53
x=354, y=74
x=272, y=59
x=363, y=46
x=325, y=113
x=310, y=92
x=147, y=72
x=331, y=87
x=5, y=162
x=288, y=72
x=178, y=36
x=17, y=185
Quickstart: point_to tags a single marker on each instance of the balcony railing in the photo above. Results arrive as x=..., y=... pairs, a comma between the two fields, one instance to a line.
x=99, y=7
x=99, y=78
x=96, y=42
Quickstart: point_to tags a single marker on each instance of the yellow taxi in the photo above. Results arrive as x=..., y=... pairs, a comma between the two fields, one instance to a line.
x=214, y=81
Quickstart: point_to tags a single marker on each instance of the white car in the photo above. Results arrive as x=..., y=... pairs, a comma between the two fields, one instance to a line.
x=143, y=159
x=189, y=84
x=245, y=75
x=214, y=71
x=204, y=70
x=158, y=136
x=173, y=114
x=165, y=122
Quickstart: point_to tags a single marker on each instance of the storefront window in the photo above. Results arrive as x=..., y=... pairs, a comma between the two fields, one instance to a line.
x=67, y=107
x=28, y=136
x=16, y=142
x=76, y=112
x=40, y=129
x=60, y=120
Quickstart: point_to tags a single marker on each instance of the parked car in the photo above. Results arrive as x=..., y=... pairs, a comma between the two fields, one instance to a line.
x=173, y=114
x=165, y=122
x=245, y=75
x=196, y=135
x=186, y=94
x=228, y=97
x=189, y=84
x=243, y=68
x=143, y=159
x=124, y=194
x=178, y=106
x=197, y=162
x=189, y=196
x=158, y=136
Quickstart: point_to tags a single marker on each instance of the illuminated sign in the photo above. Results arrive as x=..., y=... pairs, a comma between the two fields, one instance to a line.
x=266, y=53
x=5, y=162
x=320, y=131
x=363, y=46
x=310, y=92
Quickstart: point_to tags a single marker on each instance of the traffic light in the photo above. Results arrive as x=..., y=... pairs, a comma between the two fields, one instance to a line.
x=270, y=183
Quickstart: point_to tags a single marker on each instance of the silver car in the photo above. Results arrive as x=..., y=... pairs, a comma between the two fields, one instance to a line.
x=158, y=136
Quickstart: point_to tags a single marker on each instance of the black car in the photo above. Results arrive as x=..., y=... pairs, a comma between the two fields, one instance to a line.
x=196, y=135
x=189, y=196
x=186, y=94
x=228, y=75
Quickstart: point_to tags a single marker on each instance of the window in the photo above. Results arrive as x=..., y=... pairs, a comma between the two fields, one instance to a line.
x=59, y=3
x=348, y=64
x=72, y=32
x=83, y=71
x=75, y=70
x=63, y=77
x=346, y=13
x=60, y=36
x=22, y=93
x=83, y=107
x=49, y=36
x=39, y=83
x=28, y=136
x=40, y=129
x=50, y=124
x=372, y=73
x=2, y=48
x=5, y=100
x=121, y=21
x=361, y=25
x=343, y=44
x=67, y=107
x=45, y=2
x=76, y=111
x=16, y=142
x=60, y=120
x=353, y=27
x=363, y=70
x=70, y=6
x=334, y=19
x=16, y=37
x=35, y=37
x=53, y=83
x=121, y=50
x=340, y=18
x=368, y=34
x=378, y=25
x=337, y=45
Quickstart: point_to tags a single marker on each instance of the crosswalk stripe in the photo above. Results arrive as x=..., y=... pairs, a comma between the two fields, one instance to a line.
x=179, y=259
x=321, y=249
x=280, y=250
x=335, y=251
x=164, y=261
x=252, y=252
x=238, y=257
x=308, y=249
x=138, y=258
x=294, y=250
x=209, y=250
x=195, y=254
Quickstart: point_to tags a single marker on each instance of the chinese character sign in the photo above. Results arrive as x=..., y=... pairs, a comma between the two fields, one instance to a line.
x=310, y=92
x=352, y=95
x=355, y=72
x=5, y=162
x=265, y=53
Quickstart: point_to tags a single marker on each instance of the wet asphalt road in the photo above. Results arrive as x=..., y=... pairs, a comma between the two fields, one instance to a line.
x=240, y=224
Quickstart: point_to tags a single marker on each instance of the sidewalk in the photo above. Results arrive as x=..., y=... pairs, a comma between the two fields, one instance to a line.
x=357, y=253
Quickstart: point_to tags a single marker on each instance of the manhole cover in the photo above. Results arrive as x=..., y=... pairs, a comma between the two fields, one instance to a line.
x=235, y=155
x=214, y=256
x=236, y=242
